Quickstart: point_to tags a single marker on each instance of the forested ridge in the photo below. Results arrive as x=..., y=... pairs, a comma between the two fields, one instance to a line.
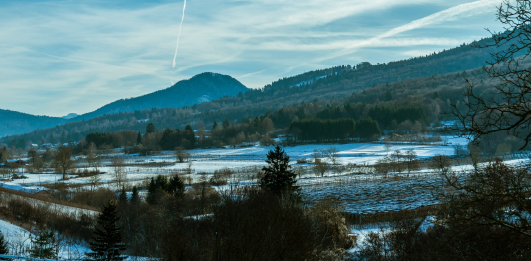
x=367, y=84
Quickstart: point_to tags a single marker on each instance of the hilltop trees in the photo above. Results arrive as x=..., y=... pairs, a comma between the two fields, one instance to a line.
x=279, y=177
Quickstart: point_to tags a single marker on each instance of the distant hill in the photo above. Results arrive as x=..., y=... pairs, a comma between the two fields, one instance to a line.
x=70, y=116
x=201, y=88
x=12, y=122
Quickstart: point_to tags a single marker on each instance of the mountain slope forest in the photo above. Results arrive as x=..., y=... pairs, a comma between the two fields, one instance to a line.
x=442, y=71
x=406, y=107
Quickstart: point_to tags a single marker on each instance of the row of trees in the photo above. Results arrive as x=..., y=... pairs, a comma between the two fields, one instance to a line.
x=334, y=130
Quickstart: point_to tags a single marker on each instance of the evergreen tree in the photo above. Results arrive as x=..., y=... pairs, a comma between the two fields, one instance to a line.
x=123, y=196
x=150, y=128
x=4, y=154
x=44, y=244
x=4, y=246
x=176, y=187
x=226, y=123
x=215, y=125
x=160, y=187
x=279, y=177
x=107, y=241
x=135, y=199
x=139, y=138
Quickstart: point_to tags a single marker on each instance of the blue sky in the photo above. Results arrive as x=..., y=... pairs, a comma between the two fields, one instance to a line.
x=59, y=57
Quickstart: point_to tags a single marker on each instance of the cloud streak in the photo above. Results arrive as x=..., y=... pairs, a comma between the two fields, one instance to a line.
x=179, y=37
x=453, y=13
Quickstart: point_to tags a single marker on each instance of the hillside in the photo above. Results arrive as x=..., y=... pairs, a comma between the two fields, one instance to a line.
x=201, y=88
x=324, y=84
x=12, y=122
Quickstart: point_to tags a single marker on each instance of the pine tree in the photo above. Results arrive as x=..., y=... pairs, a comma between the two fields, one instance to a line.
x=150, y=128
x=279, y=178
x=139, y=138
x=44, y=244
x=123, y=196
x=135, y=199
x=107, y=241
x=4, y=246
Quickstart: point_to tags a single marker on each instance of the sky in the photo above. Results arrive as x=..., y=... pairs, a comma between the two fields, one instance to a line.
x=72, y=56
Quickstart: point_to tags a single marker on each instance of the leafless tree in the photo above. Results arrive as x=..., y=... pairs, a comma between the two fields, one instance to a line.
x=320, y=168
x=411, y=161
x=181, y=154
x=440, y=163
x=387, y=145
x=331, y=154
x=63, y=160
x=94, y=182
x=397, y=161
x=475, y=153
x=120, y=173
x=299, y=171
x=507, y=108
x=92, y=159
x=495, y=196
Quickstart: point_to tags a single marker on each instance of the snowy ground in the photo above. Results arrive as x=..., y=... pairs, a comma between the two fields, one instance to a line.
x=20, y=240
x=365, y=192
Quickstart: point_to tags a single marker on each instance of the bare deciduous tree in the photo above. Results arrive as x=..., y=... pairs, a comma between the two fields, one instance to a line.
x=94, y=182
x=507, y=108
x=120, y=173
x=320, y=168
x=63, y=160
x=332, y=154
x=181, y=154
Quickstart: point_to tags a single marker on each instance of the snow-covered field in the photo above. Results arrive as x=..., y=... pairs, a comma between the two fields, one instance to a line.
x=364, y=192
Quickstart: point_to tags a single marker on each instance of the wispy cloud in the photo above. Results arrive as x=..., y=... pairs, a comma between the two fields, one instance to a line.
x=73, y=56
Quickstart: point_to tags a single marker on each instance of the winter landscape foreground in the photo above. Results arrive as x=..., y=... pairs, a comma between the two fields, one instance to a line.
x=353, y=182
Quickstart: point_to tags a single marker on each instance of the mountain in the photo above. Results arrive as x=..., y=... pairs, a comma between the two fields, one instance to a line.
x=324, y=84
x=201, y=88
x=70, y=116
x=12, y=122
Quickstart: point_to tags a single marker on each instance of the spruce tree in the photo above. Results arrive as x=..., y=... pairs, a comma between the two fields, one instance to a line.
x=4, y=246
x=139, y=138
x=278, y=178
x=44, y=244
x=135, y=199
x=123, y=196
x=107, y=240
x=150, y=128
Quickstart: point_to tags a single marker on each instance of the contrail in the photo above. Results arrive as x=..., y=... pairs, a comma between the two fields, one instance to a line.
x=179, y=36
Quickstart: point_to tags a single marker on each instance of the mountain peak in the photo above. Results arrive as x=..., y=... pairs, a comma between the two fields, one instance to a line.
x=200, y=88
x=70, y=116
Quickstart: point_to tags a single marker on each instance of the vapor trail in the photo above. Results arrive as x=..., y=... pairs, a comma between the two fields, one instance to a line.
x=179, y=36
